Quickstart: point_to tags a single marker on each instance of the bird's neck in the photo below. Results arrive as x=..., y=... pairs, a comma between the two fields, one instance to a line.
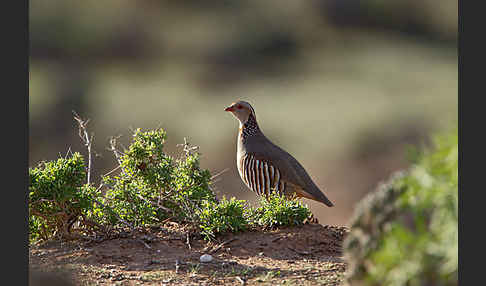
x=249, y=128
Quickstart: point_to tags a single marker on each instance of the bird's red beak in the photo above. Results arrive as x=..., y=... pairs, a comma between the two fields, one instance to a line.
x=229, y=108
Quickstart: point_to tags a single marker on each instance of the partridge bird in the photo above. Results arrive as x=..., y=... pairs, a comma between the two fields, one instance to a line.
x=263, y=166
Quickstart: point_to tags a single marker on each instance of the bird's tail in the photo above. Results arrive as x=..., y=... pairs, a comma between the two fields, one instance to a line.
x=326, y=201
x=316, y=195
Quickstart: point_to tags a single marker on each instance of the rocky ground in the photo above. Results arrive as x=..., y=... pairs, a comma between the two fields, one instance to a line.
x=303, y=255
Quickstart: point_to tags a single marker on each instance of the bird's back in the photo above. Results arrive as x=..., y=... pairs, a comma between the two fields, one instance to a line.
x=291, y=170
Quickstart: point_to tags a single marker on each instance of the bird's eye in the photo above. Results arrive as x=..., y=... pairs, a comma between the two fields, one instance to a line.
x=239, y=106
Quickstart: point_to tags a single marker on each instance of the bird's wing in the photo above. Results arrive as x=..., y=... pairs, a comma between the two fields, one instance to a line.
x=291, y=170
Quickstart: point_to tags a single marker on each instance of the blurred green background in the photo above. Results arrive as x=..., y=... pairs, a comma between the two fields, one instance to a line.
x=343, y=85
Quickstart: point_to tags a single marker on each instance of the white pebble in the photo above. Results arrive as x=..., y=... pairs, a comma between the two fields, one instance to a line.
x=206, y=258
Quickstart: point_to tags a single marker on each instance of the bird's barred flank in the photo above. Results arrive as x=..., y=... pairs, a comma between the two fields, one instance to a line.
x=261, y=177
x=257, y=175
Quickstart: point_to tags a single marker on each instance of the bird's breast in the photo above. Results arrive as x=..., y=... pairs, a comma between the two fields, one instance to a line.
x=240, y=154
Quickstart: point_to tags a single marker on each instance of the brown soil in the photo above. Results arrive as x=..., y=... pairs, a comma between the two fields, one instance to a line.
x=306, y=255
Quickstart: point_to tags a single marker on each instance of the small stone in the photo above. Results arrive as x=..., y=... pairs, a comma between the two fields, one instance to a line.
x=261, y=254
x=118, y=277
x=206, y=258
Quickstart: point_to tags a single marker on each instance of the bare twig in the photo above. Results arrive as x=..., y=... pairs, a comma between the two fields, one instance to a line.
x=68, y=152
x=154, y=204
x=41, y=201
x=188, y=241
x=83, y=134
x=187, y=147
x=221, y=245
x=298, y=252
x=219, y=174
x=144, y=243
x=112, y=171
x=115, y=151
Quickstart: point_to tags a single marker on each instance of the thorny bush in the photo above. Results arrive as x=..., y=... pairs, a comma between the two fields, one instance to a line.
x=152, y=186
x=58, y=197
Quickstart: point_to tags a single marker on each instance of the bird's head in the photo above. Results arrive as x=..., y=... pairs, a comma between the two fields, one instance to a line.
x=241, y=110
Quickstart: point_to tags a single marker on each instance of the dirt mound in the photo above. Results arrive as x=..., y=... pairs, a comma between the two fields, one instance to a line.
x=308, y=255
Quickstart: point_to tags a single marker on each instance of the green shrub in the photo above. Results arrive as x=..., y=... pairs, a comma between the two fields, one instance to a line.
x=149, y=188
x=405, y=233
x=224, y=216
x=236, y=215
x=152, y=186
x=58, y=197
x=276, y=210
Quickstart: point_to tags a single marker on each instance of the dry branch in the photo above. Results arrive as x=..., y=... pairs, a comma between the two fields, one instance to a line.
x=221, y=245
x=87, y=140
